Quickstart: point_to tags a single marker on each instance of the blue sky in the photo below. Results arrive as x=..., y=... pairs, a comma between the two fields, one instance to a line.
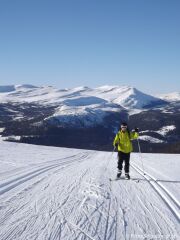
x=68, y=43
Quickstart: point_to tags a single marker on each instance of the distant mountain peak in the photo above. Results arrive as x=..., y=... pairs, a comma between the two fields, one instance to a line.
x=174, y=96
x=25, y=86
x=81, y=88
x=127, y=97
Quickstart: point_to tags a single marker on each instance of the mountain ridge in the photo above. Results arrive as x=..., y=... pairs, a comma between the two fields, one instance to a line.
x=84, y=117
x=126, y=96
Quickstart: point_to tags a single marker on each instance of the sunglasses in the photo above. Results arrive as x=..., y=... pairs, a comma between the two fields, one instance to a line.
x=123, y=127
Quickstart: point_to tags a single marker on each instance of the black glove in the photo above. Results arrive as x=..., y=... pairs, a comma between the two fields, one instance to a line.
x=116, y=146
x=136, y=130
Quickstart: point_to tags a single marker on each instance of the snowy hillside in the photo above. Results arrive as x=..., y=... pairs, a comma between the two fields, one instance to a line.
x=162, y=132
x=88, y=111
x=175, y=96
x=61, y=193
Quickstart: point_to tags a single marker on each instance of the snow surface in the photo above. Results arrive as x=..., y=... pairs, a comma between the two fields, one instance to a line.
x=60, y=193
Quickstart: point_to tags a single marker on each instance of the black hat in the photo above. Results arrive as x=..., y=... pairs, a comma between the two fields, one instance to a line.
x=124, y=124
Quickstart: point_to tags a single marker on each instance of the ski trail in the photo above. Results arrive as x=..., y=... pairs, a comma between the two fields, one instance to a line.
x=153, y=182
x=162, y=186
x=148, y=218
x=16, y=182
x=71, y=198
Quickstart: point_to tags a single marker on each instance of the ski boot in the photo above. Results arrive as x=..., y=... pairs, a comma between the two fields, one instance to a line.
x=127, y=176
x=119, y=173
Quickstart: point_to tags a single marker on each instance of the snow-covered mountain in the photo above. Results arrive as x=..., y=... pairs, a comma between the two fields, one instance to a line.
x=125, y=96
x=174, y=96
x=60, y=193
x=86, y=117
x=82, y=105
x=88, y=111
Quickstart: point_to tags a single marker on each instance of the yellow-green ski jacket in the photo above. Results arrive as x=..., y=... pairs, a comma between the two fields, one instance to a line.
x=123, y=139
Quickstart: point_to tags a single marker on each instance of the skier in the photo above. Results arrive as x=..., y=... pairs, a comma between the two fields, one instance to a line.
x=122, y=142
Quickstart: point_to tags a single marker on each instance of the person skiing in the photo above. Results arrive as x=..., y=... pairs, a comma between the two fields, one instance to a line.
x=122, y=142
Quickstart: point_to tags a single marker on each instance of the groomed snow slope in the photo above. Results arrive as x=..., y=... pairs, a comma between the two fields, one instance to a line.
x=59, y=193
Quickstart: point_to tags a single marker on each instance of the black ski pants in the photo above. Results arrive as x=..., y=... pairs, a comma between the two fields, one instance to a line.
x=123, y=157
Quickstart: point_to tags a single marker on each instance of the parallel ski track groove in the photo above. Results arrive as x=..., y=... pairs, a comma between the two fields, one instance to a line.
x=7, y=186
x=162, y=191
x=173, y=198
x=70, y=191
x=108, y=215
x=163, y=187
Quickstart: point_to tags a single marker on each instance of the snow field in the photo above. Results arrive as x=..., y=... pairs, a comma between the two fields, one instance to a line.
x=60, y=193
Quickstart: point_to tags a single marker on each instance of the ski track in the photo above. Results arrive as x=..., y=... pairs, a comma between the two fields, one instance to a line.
x=5, y=187
x=163, y=192
x=71, y=198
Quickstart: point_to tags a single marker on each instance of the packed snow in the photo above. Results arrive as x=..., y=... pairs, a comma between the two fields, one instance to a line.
x=60, y=193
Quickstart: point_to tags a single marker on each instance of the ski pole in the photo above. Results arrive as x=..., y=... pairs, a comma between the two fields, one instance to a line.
x=141, y=156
